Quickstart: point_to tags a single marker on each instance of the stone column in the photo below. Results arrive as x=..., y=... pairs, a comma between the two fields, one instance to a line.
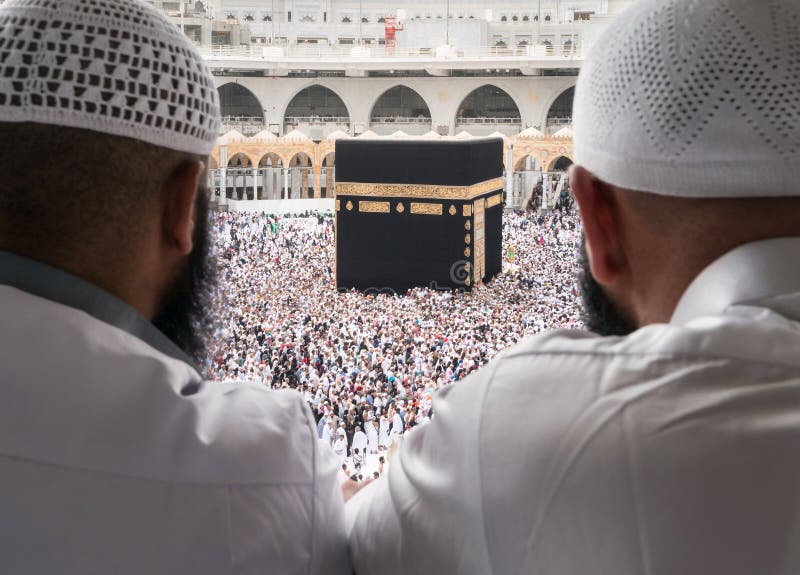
x=509, y=175
x=223, y=175
x=317, y=181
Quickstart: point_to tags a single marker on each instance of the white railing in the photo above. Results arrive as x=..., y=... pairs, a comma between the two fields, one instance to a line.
x=560, y=122
x=400, y=120
x=367, y=52
x=245, y=129
x=315, y=120
x=243, y=119
x=485, y=121
x=247, y=125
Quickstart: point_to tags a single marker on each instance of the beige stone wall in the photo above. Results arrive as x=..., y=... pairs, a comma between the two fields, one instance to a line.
x=545, y=150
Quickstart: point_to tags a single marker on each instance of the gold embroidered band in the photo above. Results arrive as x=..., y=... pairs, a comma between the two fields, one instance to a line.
x=493, y=201
x=374, y=207
x=433, y=192
x=426, y=209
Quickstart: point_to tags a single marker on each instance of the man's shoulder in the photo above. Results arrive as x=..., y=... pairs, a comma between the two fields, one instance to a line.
x=246, y=434
x=149, y=417
x=563, y=361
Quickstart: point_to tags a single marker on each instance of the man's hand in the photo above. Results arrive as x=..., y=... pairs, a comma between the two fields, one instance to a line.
x=350, y=488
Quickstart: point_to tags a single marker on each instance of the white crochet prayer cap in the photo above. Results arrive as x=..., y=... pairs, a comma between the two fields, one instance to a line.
x=694, y=98
x=117, y=67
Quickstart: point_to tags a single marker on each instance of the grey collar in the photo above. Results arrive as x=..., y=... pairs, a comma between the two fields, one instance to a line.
x=62, y=287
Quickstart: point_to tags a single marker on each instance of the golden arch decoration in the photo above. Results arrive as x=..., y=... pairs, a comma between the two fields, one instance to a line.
x=545, y=150
x=552, y=166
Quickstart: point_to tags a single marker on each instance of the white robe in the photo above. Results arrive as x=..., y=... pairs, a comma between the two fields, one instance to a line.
x=327, y=434
x=52, y=476
x=340, y=448
x=372, y=437
x=360, y=441
x=397, y=428
x=686, y=451
x=383, y=432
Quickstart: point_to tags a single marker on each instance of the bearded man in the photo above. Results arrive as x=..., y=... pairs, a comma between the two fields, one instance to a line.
x=670, y=445
x=115, y=455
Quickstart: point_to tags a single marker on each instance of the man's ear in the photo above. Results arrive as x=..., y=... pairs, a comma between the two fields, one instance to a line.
x=599, y=215
x=179, y=217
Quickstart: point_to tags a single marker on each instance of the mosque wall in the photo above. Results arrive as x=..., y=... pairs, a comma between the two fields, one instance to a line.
x=444, y=96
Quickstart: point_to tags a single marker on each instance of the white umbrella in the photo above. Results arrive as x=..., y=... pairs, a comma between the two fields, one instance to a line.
x=565, y=132
x=530, y=134
x=337, y=135
x=231, y=136
x=431, y=136
x=265, y=136
x=505, y=138
x=294, y=137
x=369, y=135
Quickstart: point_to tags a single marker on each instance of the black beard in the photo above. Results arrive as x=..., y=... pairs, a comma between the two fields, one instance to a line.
x=600, y=314
x=186, y=317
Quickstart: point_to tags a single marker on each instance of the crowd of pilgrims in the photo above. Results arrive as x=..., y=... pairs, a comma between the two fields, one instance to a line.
x=369, y=365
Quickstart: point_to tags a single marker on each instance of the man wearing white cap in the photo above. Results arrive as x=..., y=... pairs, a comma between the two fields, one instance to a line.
x=669, y=446
x=115, y=455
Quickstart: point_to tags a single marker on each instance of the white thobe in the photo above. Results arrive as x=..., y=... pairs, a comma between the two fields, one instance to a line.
x=671, y=451
x=383, y=431
x=360, y=441
x=397, y=428
x=115, y=456
x=372, y=437
x=340, y=448
x=327, y=434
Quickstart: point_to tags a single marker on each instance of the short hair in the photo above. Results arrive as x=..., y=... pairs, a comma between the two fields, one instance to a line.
x=62, y=185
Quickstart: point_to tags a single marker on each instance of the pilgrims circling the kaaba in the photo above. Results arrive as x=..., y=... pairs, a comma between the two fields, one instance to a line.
x=369, y=365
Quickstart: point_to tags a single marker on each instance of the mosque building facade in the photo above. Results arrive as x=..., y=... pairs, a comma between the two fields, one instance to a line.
x=296, y=75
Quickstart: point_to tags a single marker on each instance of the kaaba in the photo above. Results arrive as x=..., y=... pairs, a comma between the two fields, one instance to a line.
x=417, y=213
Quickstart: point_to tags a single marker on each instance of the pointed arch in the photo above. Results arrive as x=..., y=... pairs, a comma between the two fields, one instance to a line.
x=316, y=101
x=560, y=164
x=270, y=159
x=488, y=104
x=271, y=172
x=328, y=176
x=400, y=101
x=528, y=163
x=301, y=171
x=559, y=114
x=240, y=184
x=236, y=101
x=240, y=160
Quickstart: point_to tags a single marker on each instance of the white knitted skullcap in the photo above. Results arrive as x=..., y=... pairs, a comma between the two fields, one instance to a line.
x=695, y=98
x=113, y=66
